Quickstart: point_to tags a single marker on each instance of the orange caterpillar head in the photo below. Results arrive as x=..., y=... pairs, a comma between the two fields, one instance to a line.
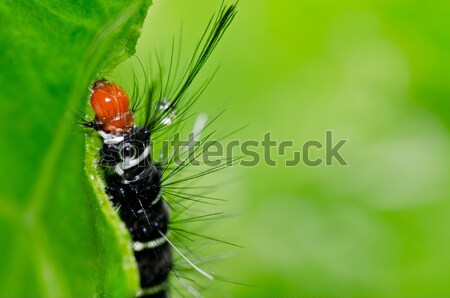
x=111, y=105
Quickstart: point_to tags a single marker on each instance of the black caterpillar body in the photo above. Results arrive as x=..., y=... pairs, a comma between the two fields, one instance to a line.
x=137, y=195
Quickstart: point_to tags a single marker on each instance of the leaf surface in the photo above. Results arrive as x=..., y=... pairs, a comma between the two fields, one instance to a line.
x=58, y=238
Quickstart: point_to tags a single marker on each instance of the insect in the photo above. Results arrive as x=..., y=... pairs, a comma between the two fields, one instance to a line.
x=136, y=182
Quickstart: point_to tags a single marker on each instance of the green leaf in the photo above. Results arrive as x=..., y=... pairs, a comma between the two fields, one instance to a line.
x=58, y=239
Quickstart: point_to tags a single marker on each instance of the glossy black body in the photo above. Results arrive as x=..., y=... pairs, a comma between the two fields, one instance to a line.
x=135, y=194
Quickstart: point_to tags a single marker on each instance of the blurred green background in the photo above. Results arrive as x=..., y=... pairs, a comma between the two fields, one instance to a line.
x=373, y=72
x=376, y=73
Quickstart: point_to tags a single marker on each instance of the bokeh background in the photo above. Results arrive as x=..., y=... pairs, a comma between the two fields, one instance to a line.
x=375, y=73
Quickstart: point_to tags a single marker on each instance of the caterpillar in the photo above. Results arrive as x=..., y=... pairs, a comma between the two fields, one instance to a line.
x=136, y=181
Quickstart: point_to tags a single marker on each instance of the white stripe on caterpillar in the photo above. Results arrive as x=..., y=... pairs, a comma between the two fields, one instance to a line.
x=138, y=246
x=121, y=167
